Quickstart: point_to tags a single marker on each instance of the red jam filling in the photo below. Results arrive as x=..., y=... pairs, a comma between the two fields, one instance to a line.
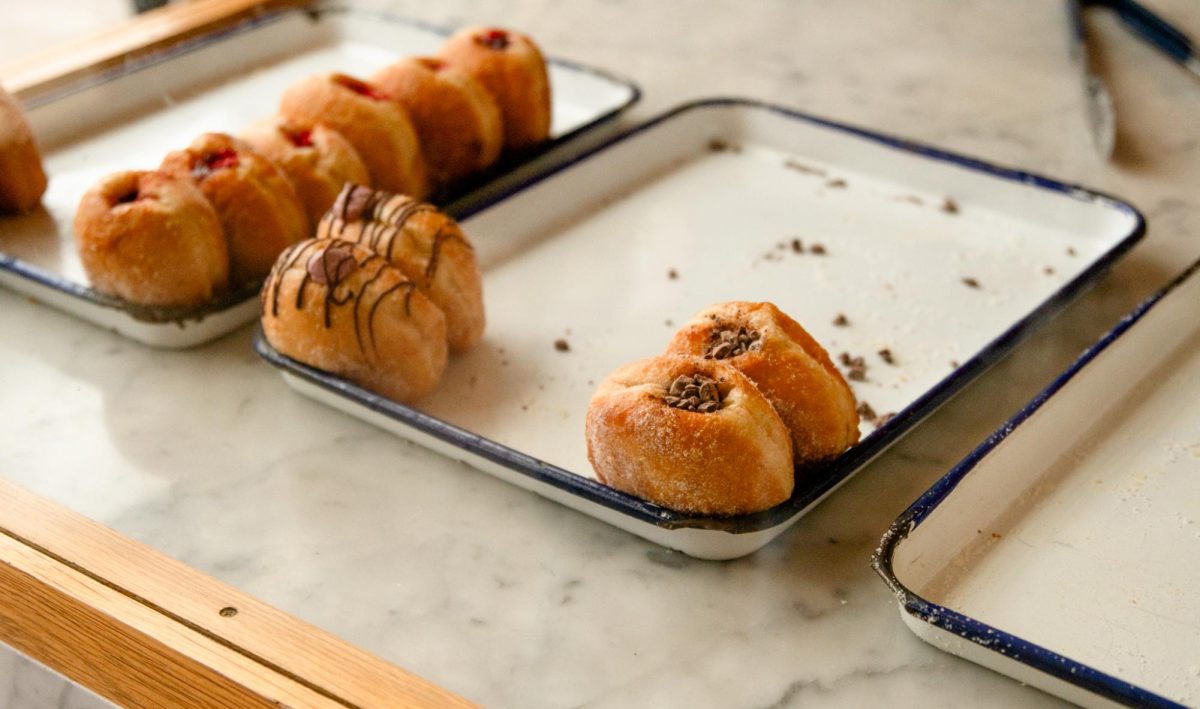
x=361, y=88
x=211, y=162
x=493, y=39
x=299, y=138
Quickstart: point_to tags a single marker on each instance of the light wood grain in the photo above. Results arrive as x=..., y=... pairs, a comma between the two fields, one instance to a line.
x=144, y=630
x=44, y=72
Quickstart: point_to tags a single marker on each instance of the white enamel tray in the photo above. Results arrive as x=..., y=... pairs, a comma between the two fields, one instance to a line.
x=130, y=119
x=941, y=260
x=1065, y=550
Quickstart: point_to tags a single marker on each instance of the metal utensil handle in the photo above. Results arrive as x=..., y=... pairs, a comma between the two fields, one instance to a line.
x=1155, y=30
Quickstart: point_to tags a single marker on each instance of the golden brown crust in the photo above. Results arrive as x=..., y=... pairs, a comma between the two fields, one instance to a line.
x=511, y=67
x=735, y=460
x=152, y=239
x=316, y=159
x=457, y=120
x=22, y=179
x=378, y=128
x=259, y=211
x=367, y=322
x=790, y=368
x=429, y=247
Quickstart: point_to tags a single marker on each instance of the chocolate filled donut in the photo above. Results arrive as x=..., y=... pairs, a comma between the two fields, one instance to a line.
x=428, y=246
x=690, y=434
x=344, y=309
x=790, y=368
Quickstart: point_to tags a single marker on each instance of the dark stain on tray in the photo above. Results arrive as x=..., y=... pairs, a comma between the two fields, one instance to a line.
x=970, y=282
x=836, y=184
x=562, y=345
x=949, y=206
x=841, y=320
x=818, y=249
x=886, y=355
x=797, y=246
x=672, y=274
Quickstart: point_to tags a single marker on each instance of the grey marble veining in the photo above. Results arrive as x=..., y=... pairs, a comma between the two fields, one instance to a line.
x=514, y=601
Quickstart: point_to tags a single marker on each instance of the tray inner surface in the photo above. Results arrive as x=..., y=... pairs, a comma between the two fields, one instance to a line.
x=716, y=197
x=1081, y=531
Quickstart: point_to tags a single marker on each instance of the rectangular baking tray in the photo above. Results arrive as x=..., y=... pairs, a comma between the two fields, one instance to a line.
x=729, y=199
x=129, y=118
x=1065, y=550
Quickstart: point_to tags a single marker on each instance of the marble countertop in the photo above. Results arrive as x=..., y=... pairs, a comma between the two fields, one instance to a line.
x=511, y=600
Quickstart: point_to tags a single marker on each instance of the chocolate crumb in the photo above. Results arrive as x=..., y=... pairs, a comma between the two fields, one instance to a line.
x=695, y=393
x=856, y=367
x=717, y=145
x=841, y=320
x=949, y=206
x=802, y=168
x=562, y=345
x=672, y=274
x=727, y=343
x=954, y=364
x=331, y=266
x=836, y=183
x=1070, y=251
x=881, y=420
x=797, y=246
x=1049, y=270
x=818, y=249
x=970, y=282
x=886, y=355
x=865, y=412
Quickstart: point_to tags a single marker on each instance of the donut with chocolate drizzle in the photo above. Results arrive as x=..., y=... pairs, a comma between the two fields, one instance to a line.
x=344, y=309
x=690, y=434
x=429, y=247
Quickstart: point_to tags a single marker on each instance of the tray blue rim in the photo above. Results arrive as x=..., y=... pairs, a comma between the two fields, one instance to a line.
x=314, y=10
x=829, y=476
x=987, y=636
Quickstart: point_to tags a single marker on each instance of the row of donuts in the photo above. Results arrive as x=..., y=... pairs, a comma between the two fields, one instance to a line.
x=385, y=291
x=216, y=215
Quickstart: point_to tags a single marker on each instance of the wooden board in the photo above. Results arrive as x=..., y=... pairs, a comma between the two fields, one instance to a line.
x=144, y=630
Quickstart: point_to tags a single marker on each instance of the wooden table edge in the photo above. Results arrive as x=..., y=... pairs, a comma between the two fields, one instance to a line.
x=142, y=629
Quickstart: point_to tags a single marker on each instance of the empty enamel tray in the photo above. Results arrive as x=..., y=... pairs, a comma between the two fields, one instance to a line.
x=942, y=261
x=1065, y=550
x=131, y=117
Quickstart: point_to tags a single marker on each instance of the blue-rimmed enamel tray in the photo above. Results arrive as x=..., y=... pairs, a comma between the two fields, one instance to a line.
x=940, y=260
x=1065, y=550
x=130, y=117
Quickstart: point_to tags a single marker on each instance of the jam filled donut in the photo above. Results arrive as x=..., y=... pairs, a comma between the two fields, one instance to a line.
x=152, y=239
x=22, y=180
x=510, y=66
x=456, y=119
x=377, y=126
x=690, y=434
x=342, y=308
x=258, y=208
x=788, y=366
x=315, y=158
x=425, y=244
